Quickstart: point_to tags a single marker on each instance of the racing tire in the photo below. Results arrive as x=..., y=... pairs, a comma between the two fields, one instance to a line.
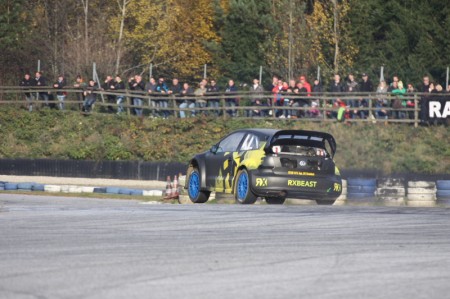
x=10, y=186
x=324, y=202
x=242, y=192
x=196, y=195
x=361, y=182
x=361, y=189
x=421, y=184
x=275, y=200
x=443, y=184
x=444, y=194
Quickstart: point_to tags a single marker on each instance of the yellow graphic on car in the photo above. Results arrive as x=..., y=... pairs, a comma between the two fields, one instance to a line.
x=261, y=182
x=337, y=187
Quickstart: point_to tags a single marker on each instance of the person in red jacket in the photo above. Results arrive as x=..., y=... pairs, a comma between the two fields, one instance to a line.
x=305, y=83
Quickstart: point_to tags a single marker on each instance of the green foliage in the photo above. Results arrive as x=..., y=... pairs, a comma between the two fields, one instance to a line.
x=245, y=36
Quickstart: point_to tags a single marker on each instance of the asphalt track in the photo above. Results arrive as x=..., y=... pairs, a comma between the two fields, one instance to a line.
x=55, y=247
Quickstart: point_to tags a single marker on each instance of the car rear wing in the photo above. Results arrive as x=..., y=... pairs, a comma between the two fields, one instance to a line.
x=313, y=138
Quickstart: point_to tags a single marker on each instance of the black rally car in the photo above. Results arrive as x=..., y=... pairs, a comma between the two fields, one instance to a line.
x=274, y=164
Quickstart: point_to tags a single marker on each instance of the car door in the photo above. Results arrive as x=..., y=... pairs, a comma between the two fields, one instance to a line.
x=220, y=163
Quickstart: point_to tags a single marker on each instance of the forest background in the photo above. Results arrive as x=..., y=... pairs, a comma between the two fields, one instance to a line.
x=234, y=38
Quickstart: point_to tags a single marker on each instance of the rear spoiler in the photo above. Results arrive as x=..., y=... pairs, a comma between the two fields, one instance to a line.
x=303, y=135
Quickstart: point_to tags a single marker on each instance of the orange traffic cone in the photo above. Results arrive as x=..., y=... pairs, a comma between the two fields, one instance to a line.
x=168, y=188
x=175, y=193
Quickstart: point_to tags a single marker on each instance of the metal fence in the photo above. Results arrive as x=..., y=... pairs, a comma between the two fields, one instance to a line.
x=331, y=107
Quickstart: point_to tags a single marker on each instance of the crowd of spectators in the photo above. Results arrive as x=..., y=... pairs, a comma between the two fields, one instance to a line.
x=287, y=99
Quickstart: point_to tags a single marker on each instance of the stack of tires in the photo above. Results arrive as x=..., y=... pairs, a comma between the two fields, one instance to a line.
x=421, y=194
x=2, y=186
x=361, y=190
x=391, y=191
x=443, y=192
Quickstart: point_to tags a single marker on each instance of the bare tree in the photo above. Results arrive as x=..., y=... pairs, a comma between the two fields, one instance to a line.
x=85, y=4
x=336, y=35
x=123, y=10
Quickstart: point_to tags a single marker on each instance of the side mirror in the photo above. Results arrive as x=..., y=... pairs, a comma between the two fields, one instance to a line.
x=214, y=149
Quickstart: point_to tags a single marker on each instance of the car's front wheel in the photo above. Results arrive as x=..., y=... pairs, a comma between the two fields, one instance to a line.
x=242, y=191
x=275, y=200
x=196, y=195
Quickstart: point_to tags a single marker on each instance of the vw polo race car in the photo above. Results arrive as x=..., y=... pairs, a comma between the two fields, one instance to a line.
x=268, y=163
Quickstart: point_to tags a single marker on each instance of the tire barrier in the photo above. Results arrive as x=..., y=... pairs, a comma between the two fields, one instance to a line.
x=38, y=187
x=443, y=192
x=112, y=190
x=361, y=190
x=10, y=186
x=421, y=193
x=391, y=191
x=27, y=186
x=354, y=190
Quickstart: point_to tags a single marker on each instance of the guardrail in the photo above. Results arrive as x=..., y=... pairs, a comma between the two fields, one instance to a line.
x=329, y=105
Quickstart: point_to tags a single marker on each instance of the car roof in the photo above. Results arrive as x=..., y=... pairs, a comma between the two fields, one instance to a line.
x=273, y=134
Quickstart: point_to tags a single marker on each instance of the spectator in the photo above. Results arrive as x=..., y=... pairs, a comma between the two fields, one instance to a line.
x=90, y=96
x=256, y=94
x=364, y=86
x=200, y=93
x=438, y=96
x=61, y=95
x=150, y=87
x=400, y=102
x=80, y=84
x=336, y=88
x=410, y=101
x=174, y=90
x=136, y=84
x=187, y=103
x=40, y=81
x=351, y=86
x=119, y=86
x=301, y=92
x=287, y=101
x=230, y=100
x=317, y=89
x=28, y=82
x=108, y=85
x=382, y=101
x=278, y=98
x=270, y=101
x=394, y=83
x=162, y=101
x=305, y=84
x=424, y=101
x=214, y=102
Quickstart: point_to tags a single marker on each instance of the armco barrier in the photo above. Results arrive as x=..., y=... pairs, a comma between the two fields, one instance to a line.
x=130, y=170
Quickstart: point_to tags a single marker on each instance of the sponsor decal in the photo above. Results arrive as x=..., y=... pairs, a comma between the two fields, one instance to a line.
x=337, y=187
x=302, y=163
x=261, y=182
x=301, y=173
x=437, y=110
x=301, y=183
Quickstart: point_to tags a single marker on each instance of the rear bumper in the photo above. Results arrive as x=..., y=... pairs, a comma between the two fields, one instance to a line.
x=295, y=186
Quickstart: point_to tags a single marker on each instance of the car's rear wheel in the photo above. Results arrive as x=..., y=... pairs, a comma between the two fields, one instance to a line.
x=275, y=200
x=196, y=195
x=242, y=192
x=324, y=202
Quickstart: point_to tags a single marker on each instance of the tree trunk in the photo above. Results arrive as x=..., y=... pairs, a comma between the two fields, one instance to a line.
x=86, y=30
x=336, y=35
x=123, y=9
